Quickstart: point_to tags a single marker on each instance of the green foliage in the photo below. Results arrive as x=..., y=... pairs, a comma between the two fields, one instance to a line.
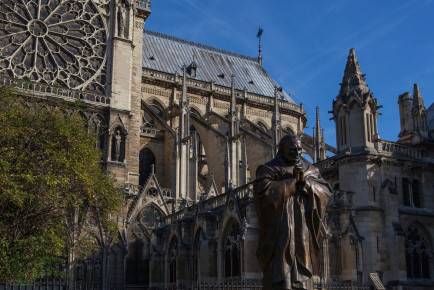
x=56, y=201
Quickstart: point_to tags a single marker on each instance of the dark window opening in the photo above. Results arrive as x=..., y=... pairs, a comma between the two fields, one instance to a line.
x=138, y=258
x=416, y=194
x=417, y=257
x=146, y=161
x=232, y=261
x=406, y=191
x=172, y=261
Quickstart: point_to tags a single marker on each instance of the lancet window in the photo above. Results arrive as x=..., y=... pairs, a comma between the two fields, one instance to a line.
x=195, y=255
x=173, y=249
x=411, y=192
x=138, y=256
x=146, y=161
x=417, y=253
x=231, y=250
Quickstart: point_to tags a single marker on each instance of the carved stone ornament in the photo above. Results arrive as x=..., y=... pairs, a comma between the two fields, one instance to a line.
x=55, y=42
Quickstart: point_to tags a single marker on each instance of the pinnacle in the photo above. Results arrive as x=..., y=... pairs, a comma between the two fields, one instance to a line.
x=417, y=98
x=353, y=77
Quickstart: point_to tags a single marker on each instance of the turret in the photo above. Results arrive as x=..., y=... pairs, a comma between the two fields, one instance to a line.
x=275, y=123
x=318, y=140
x=355, y=111
x=412, y=115
x=406, y=120
x=419, y=113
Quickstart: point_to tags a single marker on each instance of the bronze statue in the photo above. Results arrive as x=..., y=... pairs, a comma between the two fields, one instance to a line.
x=290, y=200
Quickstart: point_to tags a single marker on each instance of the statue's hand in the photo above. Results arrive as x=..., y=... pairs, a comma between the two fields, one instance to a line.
x=299, y=174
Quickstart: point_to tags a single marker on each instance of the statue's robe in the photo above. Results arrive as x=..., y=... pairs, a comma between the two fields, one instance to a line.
x=289, y=227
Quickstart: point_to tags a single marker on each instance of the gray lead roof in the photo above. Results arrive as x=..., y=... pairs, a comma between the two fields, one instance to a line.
x=168, y=54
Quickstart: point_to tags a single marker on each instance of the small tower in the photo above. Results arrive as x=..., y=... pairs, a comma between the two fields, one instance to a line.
x=355, y=111
x=183, y=142
x=419, y=113
x=275, y=123
x=233, y=154
x=405, y=118
x=318, y=140
x=260, y=31
x=413, y=119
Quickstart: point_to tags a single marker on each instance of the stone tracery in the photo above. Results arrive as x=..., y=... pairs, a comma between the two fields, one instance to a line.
x=54, y=42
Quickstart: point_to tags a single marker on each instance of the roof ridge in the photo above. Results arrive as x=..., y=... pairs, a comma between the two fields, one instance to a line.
x=200, y=45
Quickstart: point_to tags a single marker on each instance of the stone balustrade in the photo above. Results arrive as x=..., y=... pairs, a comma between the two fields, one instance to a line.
x=144, y=3
x=396, y=148
x=242, y=192
x=43, y=90
x=326, y=165
x=132, y=190
x=222, y=90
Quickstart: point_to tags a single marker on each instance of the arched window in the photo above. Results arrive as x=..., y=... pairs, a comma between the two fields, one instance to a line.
x=97, y=125
x=146, y=161
x=262, y=126
x=156, y=108
x=417, y=253
x=138, y=257
x=231, y=249
x=195, y=255
x=173, y=248
x=139, y=246
x=147, y=122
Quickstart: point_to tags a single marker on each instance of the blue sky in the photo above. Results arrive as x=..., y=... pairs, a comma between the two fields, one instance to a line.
x=306, y=43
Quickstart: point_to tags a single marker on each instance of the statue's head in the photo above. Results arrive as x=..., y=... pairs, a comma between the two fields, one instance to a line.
x=290, y=148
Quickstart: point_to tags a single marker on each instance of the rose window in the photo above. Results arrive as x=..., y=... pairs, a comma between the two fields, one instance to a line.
x=149, y=217
x=55, y=42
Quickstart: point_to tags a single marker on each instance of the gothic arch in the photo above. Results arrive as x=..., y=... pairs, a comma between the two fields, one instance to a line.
x=196, y=111
x=418, y=252
x=146, y=161
x=231, y=249
x=262, y=124
x=138, y=255
x=195, y=255
x=157, y=108
x=172, y=257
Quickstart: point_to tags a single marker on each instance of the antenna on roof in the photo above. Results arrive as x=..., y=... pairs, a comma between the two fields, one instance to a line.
x=260, y=31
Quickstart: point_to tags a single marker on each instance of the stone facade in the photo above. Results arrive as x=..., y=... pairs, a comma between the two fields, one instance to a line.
x=184, y=127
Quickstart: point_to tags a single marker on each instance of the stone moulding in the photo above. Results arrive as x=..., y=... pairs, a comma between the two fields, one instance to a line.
x=43, y=90
x=222, y=92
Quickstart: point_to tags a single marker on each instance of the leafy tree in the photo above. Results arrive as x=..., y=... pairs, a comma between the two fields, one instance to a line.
x=56, y=200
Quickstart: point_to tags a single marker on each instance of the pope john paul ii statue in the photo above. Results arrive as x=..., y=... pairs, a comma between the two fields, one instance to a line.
x=290, y=199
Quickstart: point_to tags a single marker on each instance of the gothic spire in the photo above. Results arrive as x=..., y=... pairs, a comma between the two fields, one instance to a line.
x=233, y=98
x=184, y=86
x=353, y=78
x=275, y=122
x=318, y=125
x=417, y=98
x=260, y=31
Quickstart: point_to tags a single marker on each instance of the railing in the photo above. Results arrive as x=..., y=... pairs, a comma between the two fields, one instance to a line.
x=392, y=147
x=242, y=192
x=221, y=89
x=144, y=3
x=351, y=285
x=227, y=284
x=34, y=88
x=134, y=190
x=326, y=165
x=341, y=196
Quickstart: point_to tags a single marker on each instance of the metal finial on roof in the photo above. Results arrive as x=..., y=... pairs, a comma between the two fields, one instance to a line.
x=260, y=31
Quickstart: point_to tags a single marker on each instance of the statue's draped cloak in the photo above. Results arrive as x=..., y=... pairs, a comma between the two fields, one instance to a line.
x=289, y=227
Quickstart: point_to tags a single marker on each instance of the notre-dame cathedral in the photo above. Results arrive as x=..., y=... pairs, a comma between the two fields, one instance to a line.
x=184, y=127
